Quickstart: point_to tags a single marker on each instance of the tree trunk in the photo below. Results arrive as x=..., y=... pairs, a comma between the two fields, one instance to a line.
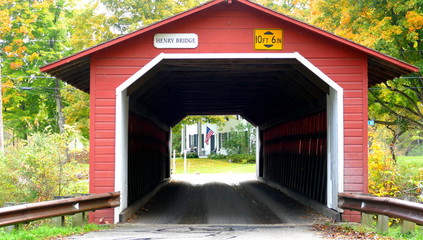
x=59, y=107
x=396, y=134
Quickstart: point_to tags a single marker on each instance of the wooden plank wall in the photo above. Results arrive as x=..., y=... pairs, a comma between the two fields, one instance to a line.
x=148, y=157
x=228, y=29
x=295, y=155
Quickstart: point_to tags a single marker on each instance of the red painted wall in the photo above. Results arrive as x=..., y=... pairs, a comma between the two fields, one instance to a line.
x=228, y=29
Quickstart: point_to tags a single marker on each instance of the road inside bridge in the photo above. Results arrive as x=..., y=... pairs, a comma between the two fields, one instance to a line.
x=218, y=206
x=221, y=199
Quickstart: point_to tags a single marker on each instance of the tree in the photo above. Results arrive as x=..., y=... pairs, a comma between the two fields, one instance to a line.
x=298, y=9
x=241, y=140
x=131, y=15
x=77, y=109
x=36, y=33
x=392, y=27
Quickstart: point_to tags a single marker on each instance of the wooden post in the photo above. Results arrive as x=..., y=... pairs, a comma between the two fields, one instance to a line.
x=407, y=226
x=185, y=161
x=78, y=219
x=367, y=219
x=382, y=223
x=58, y=221
x=199, y=138
x=174, y=161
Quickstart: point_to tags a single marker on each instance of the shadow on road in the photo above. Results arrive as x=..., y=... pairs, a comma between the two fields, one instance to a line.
x=221, y=199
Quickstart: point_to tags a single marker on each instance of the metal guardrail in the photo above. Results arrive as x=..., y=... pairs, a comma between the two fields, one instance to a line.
x=54, y=208
x=391, y=207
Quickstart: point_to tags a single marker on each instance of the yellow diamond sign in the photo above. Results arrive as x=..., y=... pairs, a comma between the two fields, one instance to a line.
x=268, y=39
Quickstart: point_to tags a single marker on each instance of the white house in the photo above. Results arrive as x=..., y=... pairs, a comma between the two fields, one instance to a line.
x=210, y=141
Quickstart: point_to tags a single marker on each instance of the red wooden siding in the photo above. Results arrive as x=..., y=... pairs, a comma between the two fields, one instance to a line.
x=228, y=29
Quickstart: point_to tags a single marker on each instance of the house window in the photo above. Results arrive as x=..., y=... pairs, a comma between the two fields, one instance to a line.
x=195, y=143
x=223, y=139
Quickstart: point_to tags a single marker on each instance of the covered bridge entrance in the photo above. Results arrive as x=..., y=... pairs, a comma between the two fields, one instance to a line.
x=306, y=92
x=290, y=101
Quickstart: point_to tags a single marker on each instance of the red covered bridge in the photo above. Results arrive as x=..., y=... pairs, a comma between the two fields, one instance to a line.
x=304, y=88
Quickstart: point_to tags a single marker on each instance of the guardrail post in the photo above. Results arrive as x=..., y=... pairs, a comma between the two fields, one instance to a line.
x=407, y=226
x=16, y=226
x=367, y=219
x=60, y=220
x=382, y=223
x=79, y=218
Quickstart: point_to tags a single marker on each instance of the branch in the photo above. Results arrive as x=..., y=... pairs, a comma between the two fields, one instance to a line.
x=402, y=107
x=385, y=123
x=412, y=89
x=407, y=97
x=395, y=113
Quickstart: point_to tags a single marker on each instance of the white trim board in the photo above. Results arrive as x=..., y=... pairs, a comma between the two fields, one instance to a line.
x=335, y=177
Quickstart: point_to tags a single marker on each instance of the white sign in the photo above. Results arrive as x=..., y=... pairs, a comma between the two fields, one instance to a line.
x=175, y=40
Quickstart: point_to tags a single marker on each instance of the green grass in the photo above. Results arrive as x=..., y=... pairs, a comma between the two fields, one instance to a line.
x=48, y=232
x=393, y=231
x=411, y=161
x=205, y=165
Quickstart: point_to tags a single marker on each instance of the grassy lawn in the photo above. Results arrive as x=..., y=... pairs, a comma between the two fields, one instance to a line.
x=205, y=165
x=411, y=161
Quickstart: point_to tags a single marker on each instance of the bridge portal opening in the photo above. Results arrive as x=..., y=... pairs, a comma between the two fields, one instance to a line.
x=297, y=112
x=216, y=141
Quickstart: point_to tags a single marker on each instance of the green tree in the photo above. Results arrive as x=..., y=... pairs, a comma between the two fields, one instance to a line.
x=298, y=9
x=77, y=109
x=131, y=15
x=241, y=140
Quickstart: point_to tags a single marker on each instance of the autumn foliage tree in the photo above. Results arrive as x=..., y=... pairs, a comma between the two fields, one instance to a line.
x=392, y=27
x=35, y=33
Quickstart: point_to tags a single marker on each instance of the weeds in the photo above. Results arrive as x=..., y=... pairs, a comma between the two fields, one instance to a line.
x=48, y=232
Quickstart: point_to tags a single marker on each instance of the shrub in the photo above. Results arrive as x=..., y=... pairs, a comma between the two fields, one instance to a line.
x=41, y=168
x=242, y=158
x=387, y=177
x=217, y=156
x=192, y=155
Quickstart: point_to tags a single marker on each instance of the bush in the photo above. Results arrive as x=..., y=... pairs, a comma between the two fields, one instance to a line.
x=192, y=155
x=389, y=179
x=43, y=167
x=217, y=156
x=242, y=158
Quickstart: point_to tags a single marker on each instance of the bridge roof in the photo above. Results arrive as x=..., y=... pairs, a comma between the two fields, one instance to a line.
x=75, y=69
